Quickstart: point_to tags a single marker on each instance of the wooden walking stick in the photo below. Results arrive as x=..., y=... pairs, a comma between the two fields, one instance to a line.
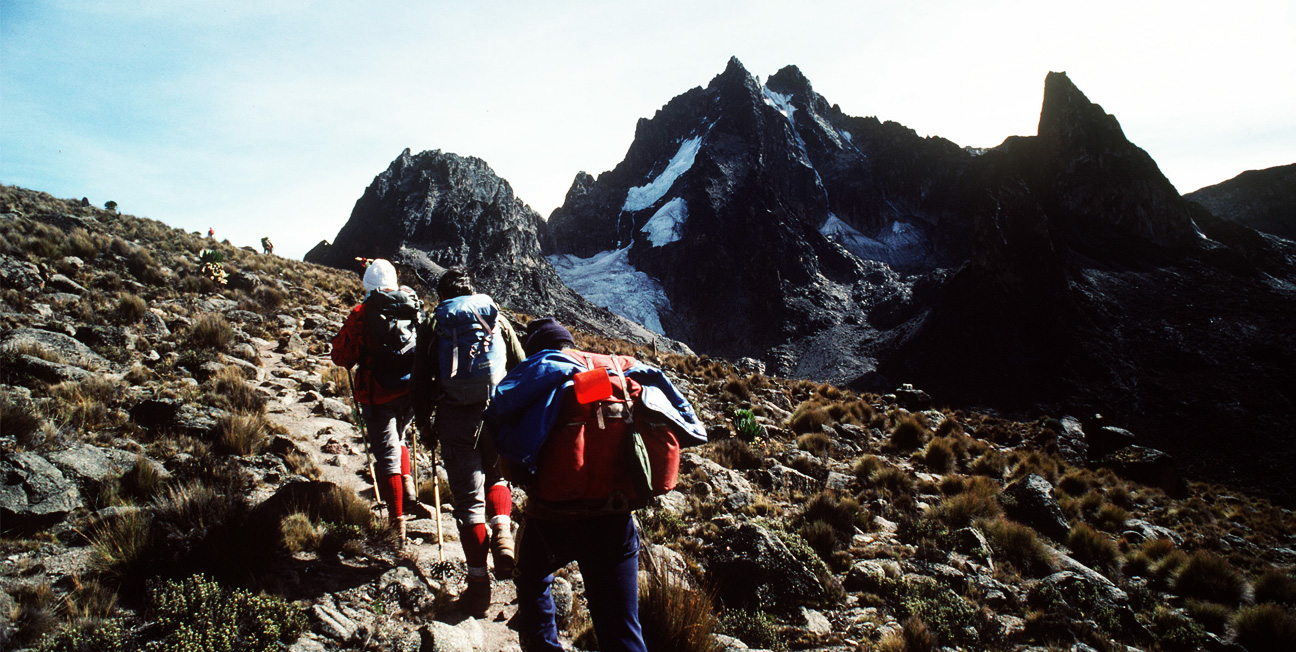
x=364, y=434
x=436, y=506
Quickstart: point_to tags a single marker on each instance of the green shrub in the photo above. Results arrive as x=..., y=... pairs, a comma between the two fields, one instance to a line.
x=755, y=628
x=1176, y=631
x=1265, y=627
x=746, y=426
x=90, y=635
x=1207, y=576
x=950, y=618
x=199, y=614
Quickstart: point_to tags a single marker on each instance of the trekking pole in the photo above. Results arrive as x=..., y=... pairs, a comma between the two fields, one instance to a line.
x=364, y=434
x=436, y=506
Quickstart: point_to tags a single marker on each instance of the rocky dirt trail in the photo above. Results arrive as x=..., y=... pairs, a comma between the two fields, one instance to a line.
x=321, y=428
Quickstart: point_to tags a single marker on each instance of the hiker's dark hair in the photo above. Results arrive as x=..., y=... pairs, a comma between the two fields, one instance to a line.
x=455, y=282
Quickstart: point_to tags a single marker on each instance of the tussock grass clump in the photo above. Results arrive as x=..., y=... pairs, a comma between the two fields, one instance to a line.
x=736, y=454
x=909, y=434
x=210, y=332
x=1110, y=517
x=238, y=395
x=130, y=308
x=117, y=546
x=840, y=512
x=1207, y=576
x=1016, y=544
x=816, y=443
x=199, y=614
x=1265, y=628
x=674, y=616
x=19, y=420
x=865, y=467
x=1092, y=547
x=893, y=479
x=739, y=388
x=299, y=534
x=89, y=403
x=336, y=382
x=270, y=299
x=1275, y=586
x=241, y=434
x=990, y=464
x=940, y=455
x=1212, y=615
x=1076, y=482
x=809, y=417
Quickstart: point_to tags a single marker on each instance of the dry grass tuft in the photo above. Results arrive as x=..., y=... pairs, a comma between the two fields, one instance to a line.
x=210, y=332
x=816, y=443
x=1018, y=545
x=1092, y=547
x=809, y=417
x=299, y=534
x=1265, y=627
x=241, y=434
x=1207, y=576
x=1276, y=586
x=735, y=454
x=909, y=434
x=675, y=616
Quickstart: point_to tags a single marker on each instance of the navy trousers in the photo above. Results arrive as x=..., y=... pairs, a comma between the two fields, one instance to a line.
x=607, y=550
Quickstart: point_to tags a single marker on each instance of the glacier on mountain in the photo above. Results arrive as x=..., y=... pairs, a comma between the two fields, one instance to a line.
x=901, y=245
x=608, y=279
x=667, y=224
x=641, y=197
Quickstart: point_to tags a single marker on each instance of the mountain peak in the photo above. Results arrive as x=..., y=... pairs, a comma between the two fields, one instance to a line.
x=1068, y=117
x=790, y=80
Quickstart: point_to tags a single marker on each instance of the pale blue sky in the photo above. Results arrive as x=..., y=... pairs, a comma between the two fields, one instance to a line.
x=262, y=118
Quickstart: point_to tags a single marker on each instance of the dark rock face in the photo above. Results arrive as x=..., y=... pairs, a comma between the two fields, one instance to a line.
x=752, y=567
x=435, y=210
x=1030, y=501
x=34, y=494
x=1264, y=200
x=1059, y=272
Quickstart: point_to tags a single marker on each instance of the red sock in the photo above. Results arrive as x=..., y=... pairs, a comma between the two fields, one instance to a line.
x=499, y=500
x=394, y=489
x=473, y=538
x=405, y=463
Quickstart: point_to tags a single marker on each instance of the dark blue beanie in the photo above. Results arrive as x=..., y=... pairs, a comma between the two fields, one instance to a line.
x=544, y=334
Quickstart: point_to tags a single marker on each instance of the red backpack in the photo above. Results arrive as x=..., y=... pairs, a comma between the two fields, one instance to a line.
x=605, y=450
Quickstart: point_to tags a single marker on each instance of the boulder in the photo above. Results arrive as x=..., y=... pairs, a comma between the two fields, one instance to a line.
x=34, y=494
x=1147, y=466
x=467, y=636
x=1030, y=501
x=912, y=399
x=89, y=465
x=1107, y=439
x=754, y=569
x=784, y=478
x=66, y=349
x=61, y=283
x=20, y=275
x=115, y=336
x=1071, y=443
x=721, y=480
x=1138, y=530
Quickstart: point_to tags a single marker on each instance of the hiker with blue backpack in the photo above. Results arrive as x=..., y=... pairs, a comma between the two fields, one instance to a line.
x=463, y=352
x=591, y=437
x=378, y=336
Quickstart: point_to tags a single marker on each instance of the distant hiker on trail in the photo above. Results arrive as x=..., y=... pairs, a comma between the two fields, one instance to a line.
x=463, y=351
x=378, y=335
x=267, y=246
x=591, y=437
x=211, y=232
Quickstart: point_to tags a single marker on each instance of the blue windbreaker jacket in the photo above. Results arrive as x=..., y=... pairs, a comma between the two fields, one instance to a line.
x=525, y=404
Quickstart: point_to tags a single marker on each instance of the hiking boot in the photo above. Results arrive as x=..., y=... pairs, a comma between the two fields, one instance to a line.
x=476, y=597
x=502, y=553
x=412, y=506
x=416, y=509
